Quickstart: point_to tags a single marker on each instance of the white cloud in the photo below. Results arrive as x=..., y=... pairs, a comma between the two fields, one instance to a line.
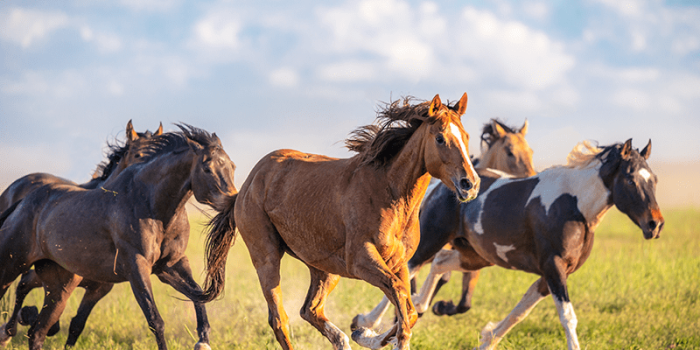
x=634, y=99
x=24, y=27
x=630, y=8
x=106, y=43
x=218, y=31
x=284, y=77
x=522, y=56
x=348, y=71
x=150, y=5
x=536, y=9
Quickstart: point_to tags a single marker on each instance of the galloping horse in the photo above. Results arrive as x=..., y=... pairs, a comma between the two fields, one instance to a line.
x=118, y=158
x=505, y=149
x=354, y=217
x=544, y=225
x=124, y=231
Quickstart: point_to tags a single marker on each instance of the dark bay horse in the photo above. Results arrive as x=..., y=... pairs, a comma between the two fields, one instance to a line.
x=545, y=224
x=354, y=217
x=118, y=158
x=122, y=231
x=502, y=148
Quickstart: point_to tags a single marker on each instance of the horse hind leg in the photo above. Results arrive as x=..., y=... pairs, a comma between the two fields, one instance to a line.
x=94, y=292
x=179, y=276
x=492, y=334
x=29, y=281
x=447, y=307
x=322, y=284
x=58, y=285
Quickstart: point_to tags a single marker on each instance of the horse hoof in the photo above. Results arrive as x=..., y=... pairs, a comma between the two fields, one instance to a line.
x=28, y=315
x=202, y=346
x=354, y=325
x=4, y=337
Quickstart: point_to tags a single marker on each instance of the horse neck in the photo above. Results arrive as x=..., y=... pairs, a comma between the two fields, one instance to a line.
x=167, y=179
x=586, y=184
x=488, y=159
x=407, y=175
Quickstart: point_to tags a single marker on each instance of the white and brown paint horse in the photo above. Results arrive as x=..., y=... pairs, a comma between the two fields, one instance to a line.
x=502, y=148
x=544, y=225
x=355, y=217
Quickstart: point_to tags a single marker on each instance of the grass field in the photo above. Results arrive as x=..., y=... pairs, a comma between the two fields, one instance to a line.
x=630, y=294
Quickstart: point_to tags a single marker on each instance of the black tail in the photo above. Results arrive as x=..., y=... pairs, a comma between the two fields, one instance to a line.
x=8, y=211
x=222, y=235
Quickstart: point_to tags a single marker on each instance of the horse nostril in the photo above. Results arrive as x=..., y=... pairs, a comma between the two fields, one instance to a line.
x=465, y=184
x=652, y=224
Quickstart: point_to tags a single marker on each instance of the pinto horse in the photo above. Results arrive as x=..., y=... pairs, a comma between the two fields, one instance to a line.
x=118, y=158
x=121, y=232
x=505, y=149
x=544, y=224
x=354, y=218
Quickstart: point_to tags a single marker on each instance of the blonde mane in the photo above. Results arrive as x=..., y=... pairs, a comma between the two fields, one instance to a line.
x=582, y=155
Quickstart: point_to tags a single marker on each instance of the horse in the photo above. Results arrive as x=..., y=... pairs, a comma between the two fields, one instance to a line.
x=544, y=224
x=354, y=217
x=118, y=158
x=502, y=148
x=123, y=231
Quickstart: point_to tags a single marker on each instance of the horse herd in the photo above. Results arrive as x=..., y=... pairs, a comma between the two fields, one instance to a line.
x=376, y=216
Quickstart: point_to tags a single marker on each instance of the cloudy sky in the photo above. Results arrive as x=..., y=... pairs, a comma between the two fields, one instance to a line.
x=302, y=74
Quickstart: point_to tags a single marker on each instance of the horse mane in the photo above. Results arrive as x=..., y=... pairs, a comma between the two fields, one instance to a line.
x=488, y=135
x=115, y=152
x=174, y=141
x=377, y=143
x=584, y=153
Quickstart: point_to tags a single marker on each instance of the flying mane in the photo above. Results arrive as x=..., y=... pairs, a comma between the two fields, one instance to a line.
x=115, y=152
x=487, y=133
x=584, y=153
x=376, y=144
x=177, y=140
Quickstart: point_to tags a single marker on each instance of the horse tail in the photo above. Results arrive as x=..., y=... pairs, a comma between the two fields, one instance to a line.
x=5, y=214
x=222, y=235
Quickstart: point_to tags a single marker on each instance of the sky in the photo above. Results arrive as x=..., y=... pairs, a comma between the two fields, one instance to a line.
x=301, y=74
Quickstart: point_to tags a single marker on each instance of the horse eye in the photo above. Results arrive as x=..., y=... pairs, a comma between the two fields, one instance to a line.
x=509, y=153
x=630, y=181
x=440, y=140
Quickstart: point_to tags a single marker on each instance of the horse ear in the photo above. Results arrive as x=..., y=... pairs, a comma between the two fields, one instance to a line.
x=626, y=150
x=461, y=106
x=646, y=152
x=435, y=105
x=523, y=130
x=160, y=130
x=131, y=135
x=217, y=139
x=497, y=129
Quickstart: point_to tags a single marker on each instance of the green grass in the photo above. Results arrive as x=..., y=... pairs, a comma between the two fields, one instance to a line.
x=630, y=294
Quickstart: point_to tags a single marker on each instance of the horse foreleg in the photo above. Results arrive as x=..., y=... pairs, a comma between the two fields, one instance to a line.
x=447, y=307
x=445, y=261
x=556, y=281
x=492, y=334
x=179, y=276
x=372, y=319
x=58, y=286
x=321, y=285
x=139, y=278
x=373, y=269
x=94, y=292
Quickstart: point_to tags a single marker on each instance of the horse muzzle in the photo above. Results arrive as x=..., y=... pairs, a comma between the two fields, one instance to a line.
x=653, y=226
x=466, y=189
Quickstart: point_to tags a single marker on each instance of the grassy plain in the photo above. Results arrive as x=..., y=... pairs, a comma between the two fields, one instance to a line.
x=630, y=294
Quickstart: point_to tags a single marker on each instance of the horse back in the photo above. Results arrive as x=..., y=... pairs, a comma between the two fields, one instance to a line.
x=25, y=184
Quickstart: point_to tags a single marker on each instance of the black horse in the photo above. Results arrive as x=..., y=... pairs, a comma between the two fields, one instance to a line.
x=125, y=230
x=119, y=157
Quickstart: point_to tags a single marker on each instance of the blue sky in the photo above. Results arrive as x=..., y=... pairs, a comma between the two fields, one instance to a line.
x=265, y=75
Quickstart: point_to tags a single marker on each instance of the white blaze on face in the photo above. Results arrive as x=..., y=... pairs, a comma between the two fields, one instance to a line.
x=645, y=174
x=455, y=131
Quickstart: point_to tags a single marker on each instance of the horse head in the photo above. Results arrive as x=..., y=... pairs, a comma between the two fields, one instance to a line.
x=633, y=188
x=212, y=171
x=507, y=150
x=136, y=144
x=447, y=149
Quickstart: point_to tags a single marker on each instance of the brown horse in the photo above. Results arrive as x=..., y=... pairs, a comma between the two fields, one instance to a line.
x=503, y=148
x=544, y=224
x=354, y=217
x=118, y=158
